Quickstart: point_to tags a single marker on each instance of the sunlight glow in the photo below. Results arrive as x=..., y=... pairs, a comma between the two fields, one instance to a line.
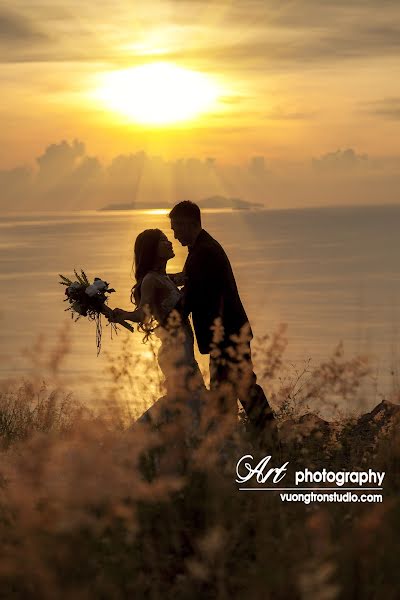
x=156, y=211
x=158, y=93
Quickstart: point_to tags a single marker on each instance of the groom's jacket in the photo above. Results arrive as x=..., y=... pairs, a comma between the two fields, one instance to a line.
x=210, y=291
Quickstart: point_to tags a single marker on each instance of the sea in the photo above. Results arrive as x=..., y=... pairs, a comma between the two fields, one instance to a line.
x=330, y=274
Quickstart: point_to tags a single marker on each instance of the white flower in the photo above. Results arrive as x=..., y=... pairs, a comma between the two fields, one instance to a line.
x=92, y=290
x=73, y=286
x=100, y=284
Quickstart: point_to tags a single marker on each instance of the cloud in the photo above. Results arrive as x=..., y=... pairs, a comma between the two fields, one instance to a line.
x=257, y=166
x=284, y=114
x=306, y=33
x=67, y=178
x=387, y=108
x=60, y=157
x=302, y=14
x=303, y=52
x=17, y=29
x=234, y=35
x=15, y=185
x=66, y=174
x=340, y=160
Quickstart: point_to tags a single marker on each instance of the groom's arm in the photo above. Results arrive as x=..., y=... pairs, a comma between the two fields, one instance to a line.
x=205, y=283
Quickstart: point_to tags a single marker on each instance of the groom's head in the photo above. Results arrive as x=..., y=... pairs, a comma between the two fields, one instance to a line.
x=185, y=222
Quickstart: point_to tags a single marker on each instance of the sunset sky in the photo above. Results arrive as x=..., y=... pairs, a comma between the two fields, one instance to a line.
x=305, y=85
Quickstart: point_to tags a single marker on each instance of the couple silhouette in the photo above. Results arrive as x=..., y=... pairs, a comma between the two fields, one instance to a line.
x=206, y=289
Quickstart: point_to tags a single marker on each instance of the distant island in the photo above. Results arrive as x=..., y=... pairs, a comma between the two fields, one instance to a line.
x=211, y=202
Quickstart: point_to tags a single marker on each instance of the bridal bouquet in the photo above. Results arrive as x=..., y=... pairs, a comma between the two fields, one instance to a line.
x=89, y=300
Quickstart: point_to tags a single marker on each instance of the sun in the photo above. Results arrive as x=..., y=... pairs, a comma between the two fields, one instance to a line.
x=158, y=93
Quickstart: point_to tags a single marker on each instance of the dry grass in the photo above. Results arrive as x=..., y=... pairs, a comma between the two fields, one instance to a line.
x=91, y=507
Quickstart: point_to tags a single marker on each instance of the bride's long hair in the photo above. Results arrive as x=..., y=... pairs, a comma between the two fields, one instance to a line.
x=145, y=256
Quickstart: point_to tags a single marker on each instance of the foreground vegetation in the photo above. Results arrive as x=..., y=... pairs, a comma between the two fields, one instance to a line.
x=93, y=507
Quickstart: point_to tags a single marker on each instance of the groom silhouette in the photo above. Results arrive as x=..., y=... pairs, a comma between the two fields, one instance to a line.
x=210, y=293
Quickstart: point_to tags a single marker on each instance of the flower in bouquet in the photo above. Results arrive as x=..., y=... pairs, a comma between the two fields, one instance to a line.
x=92, y=291
x=89, y=300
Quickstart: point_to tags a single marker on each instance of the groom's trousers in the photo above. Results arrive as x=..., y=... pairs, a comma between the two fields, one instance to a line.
x=232, y=368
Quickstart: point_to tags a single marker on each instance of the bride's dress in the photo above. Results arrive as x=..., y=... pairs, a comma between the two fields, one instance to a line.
x=183, y=380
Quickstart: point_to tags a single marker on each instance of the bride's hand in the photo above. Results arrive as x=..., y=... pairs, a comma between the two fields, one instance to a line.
x=118, y=315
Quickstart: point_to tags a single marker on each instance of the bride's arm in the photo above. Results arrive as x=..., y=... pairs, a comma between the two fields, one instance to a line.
x=137, y=316
x=143, y=311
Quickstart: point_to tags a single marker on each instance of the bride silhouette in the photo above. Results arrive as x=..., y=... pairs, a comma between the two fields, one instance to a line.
x=158, y=302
